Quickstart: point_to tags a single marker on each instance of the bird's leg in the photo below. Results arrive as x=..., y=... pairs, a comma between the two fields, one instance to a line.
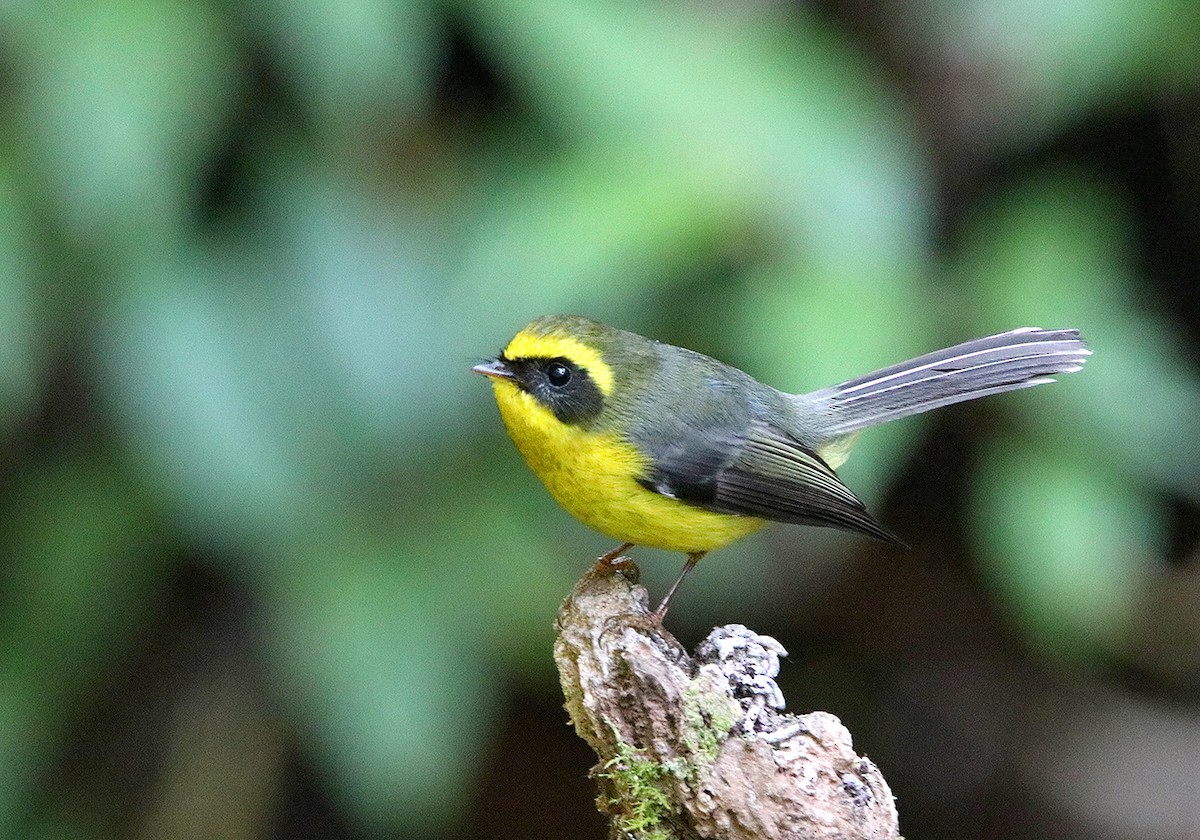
x=607, y=559
x=693, y=559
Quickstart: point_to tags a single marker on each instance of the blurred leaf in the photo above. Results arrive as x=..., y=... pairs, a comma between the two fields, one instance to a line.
x=362, y=275
x=76, y=580
x=66, y=825
x=505, y=552
x=1054, y=253
x=588, y=230
x=22, y=348
x=1048, y=63
x=222, y=758
x=355, y=61
x=208, y=391
x=780, y=123
x=1066, y=541
x=275, y=380
x=121, y=99
x=388, y=680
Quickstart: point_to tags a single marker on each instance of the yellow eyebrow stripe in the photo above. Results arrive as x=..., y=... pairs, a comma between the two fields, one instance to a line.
x=526, y=345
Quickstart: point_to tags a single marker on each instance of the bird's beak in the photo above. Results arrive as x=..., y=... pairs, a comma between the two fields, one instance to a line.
x=496, y=369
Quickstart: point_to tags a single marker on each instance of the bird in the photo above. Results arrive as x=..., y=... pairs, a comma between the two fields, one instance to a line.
x=656, y=445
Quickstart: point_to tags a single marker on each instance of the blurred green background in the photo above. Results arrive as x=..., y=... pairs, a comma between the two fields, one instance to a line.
x=269, y=567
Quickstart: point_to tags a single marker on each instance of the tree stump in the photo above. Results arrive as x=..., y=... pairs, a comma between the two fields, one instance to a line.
x=698, y=746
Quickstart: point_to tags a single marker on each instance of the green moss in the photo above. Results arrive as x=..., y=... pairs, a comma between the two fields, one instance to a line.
x=640, y=800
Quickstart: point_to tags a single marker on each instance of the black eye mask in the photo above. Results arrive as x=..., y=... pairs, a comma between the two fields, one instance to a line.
x=564, y=387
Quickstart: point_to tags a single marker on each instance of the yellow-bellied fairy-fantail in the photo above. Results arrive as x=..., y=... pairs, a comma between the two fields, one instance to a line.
x=656, y=445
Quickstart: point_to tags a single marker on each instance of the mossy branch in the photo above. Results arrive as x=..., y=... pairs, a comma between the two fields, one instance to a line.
x=682, y=757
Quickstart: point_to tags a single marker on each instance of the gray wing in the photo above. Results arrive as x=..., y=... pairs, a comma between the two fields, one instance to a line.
x=759, y=471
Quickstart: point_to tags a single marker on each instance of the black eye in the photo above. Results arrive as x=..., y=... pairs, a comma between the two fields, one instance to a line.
x=558, y=374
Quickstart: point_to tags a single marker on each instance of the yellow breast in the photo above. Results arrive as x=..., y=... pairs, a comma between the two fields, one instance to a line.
x=594, y=476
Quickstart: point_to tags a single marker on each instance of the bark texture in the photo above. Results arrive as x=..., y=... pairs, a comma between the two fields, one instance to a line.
x=698, y=747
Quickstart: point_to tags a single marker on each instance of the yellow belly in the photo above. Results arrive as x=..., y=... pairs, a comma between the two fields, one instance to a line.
x=594, y=476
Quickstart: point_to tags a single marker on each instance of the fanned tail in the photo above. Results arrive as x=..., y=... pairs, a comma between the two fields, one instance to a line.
x=1016, y=359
